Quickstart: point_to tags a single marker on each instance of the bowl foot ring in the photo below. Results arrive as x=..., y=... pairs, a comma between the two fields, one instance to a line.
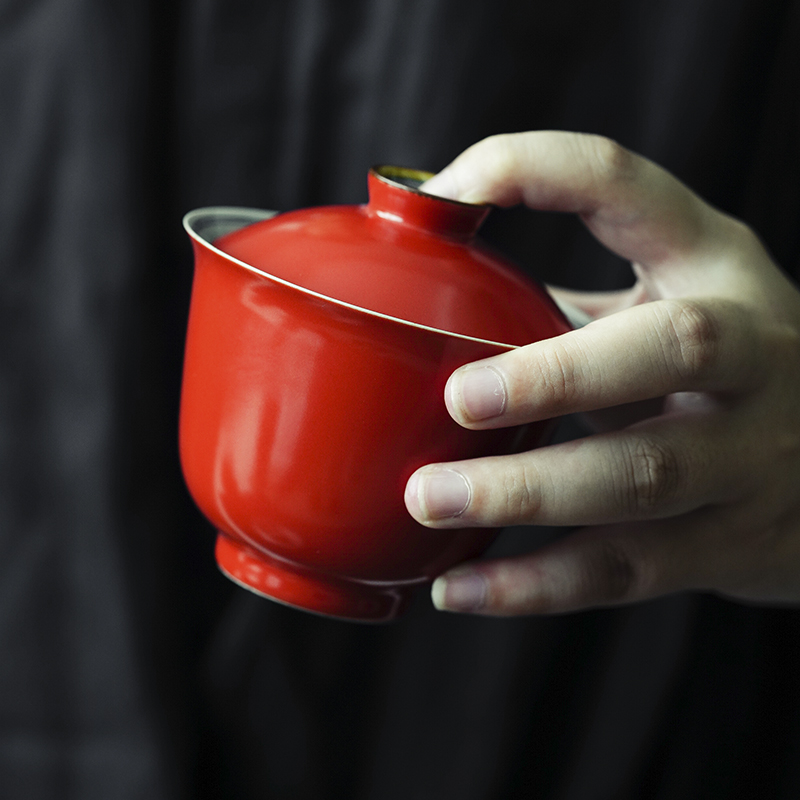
x=278, y=581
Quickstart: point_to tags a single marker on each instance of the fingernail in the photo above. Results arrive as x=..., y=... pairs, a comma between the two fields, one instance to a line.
x=479, y=391
x=465, y=590
x=441, y=185
x=441, y=493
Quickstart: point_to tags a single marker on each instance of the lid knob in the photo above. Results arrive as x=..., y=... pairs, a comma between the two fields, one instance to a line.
x=394, y=195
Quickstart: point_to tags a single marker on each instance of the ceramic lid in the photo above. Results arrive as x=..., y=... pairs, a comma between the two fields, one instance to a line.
x=404, y=254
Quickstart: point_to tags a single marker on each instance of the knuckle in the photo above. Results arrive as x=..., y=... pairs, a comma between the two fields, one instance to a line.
x=655, y=476
x=521, y=495
x=557, y=377
x=695, y=339
x=609, y=160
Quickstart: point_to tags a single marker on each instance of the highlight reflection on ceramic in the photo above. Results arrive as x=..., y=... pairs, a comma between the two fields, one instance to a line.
x=303, y=416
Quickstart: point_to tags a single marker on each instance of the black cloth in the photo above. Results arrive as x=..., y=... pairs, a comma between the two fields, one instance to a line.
x=129, y=668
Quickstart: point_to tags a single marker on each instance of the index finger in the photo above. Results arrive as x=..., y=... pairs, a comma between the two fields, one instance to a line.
x=634, y=207
x=642, y=353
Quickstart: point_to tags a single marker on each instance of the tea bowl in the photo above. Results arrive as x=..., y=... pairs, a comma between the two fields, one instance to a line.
x=318, y=346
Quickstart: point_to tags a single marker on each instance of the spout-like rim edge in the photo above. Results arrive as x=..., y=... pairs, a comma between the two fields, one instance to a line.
x=256, y=215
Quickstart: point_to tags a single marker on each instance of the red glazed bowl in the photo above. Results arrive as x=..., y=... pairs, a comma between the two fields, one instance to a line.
x=318, y=347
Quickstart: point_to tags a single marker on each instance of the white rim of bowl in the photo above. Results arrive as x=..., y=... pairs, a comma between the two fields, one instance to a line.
x=251, y=215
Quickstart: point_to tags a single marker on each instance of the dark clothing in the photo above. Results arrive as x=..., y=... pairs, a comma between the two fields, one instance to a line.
x=129, y=668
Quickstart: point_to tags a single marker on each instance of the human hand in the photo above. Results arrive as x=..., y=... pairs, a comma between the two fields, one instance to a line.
x=705, y=493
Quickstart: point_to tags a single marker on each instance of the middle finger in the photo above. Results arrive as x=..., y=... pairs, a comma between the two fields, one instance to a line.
x=663, y=467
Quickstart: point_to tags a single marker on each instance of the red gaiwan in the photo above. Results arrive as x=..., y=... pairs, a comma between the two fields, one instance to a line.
x=318, y=347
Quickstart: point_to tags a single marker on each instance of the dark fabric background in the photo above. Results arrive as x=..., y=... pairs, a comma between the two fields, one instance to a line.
x=128, y=667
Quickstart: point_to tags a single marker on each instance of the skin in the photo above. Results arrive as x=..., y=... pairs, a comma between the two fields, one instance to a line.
x=692, y=481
